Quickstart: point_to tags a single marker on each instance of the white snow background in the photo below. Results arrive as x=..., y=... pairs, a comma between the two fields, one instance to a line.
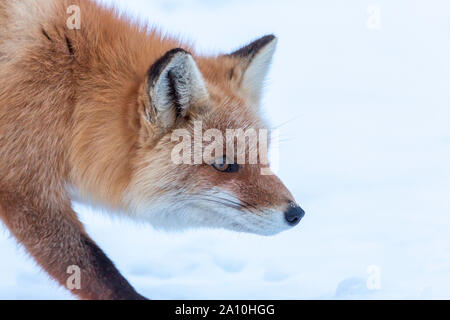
x=365, y=150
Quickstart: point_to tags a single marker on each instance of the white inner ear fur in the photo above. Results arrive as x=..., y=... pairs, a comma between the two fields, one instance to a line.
x=179, y=83
x=254, y=76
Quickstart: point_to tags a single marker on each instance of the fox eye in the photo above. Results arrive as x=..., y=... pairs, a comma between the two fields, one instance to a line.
x=222, y=166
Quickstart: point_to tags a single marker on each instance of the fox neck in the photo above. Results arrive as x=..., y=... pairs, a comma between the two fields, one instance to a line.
x=107, y=73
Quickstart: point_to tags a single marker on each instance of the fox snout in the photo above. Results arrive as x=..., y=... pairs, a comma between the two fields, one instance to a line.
x=293, y=214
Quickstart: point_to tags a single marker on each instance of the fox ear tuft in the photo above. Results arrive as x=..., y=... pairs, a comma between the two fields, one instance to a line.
x=174, y=85
x=254, y=63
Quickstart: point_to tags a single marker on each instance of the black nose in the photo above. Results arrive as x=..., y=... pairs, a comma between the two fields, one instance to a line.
x=294, y=214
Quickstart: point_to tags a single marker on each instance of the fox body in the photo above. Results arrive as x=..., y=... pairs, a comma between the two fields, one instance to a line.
x=88, y=114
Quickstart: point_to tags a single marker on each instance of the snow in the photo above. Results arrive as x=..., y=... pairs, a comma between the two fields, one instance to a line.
x=365, y=150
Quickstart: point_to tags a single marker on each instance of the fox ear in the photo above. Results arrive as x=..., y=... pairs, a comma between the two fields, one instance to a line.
x=253, y=66
x=174, y=85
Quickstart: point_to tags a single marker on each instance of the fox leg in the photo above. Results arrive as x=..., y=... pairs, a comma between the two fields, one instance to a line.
x=57, y=241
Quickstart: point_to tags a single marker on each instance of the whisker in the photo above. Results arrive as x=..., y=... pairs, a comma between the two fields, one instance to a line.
x=218, y=199
x=247, y=204
x=229, y=205
x=285, y=123
x=243, y=205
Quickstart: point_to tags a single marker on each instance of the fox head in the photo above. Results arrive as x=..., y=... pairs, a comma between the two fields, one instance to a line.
x=208, y=95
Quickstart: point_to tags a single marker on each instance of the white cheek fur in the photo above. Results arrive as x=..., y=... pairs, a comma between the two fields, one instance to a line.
x=176, y=211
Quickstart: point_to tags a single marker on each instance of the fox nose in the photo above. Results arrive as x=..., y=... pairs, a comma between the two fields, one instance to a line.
x=294, y=214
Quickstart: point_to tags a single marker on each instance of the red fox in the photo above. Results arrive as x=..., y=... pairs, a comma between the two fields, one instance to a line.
x=88, y=113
